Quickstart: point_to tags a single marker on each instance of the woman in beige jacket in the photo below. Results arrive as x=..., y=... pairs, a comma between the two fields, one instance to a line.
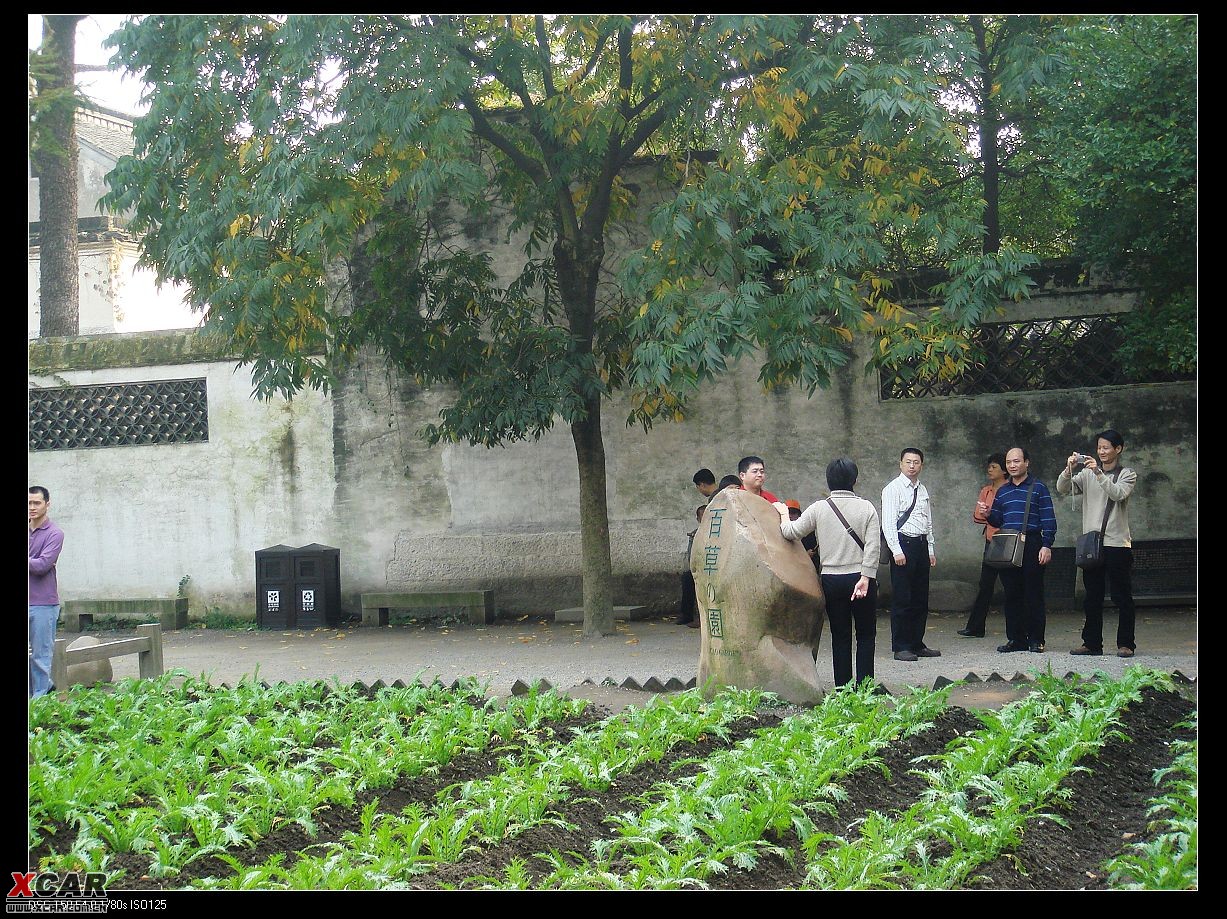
x=848, y=550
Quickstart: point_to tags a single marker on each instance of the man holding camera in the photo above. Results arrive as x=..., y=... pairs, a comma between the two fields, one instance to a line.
x=1101, y=479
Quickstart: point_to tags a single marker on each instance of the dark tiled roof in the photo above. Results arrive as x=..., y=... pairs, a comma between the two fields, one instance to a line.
x=109, y=135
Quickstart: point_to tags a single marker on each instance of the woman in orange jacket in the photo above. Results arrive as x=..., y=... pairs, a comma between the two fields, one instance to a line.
x=988, y=576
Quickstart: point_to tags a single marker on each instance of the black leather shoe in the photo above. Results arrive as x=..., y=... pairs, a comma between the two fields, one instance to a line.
x=905, y=656
x=968, y=633
x=1011, y=646
x=1036, y=647
x=928, y=652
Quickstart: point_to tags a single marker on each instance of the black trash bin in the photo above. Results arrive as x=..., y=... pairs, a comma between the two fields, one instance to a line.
x=298, y=588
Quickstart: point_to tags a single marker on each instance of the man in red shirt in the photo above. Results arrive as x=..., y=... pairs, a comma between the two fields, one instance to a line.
x=753, y=471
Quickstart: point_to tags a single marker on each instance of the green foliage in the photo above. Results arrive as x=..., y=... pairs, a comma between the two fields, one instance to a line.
x=276, y=150
x=1123, y=135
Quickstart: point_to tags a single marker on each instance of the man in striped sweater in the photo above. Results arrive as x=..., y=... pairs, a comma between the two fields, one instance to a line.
x=1024, y=587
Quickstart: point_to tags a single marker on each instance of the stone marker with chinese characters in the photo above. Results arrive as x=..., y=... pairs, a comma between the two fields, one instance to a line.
x=760, y=603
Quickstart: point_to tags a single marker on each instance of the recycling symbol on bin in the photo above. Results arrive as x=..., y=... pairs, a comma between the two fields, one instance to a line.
x=308, y=600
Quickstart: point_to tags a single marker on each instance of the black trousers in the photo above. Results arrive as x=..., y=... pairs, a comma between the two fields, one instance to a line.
x=1025, y=615
x=689, y=605
x=1116, y=574
x=984, y=597
x=909, y=602
x=842, y=613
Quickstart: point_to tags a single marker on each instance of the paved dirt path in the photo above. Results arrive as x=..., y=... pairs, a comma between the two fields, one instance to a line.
x=530, y=649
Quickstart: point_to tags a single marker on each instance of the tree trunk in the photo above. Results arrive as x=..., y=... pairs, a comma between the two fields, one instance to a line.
x=56, y=161
x=989, y=153
x=594, y=523
x=577, y=265
x=989, y=143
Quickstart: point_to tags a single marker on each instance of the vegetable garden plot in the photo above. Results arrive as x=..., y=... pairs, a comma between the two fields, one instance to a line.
x=860, y=791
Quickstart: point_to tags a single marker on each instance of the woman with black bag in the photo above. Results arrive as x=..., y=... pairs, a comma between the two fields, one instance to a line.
x=846, y=528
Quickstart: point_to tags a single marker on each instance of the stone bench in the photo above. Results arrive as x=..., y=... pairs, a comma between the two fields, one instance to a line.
x=171, y=611
x=576, y=613
x=147, y=645
x=479, y=603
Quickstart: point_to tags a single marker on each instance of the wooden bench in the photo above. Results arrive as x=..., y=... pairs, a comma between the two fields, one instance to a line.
x=480, y=604
x=147, y=646
x=171, y=611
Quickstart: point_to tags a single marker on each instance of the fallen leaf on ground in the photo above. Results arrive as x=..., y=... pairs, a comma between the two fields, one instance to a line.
x=632, y=641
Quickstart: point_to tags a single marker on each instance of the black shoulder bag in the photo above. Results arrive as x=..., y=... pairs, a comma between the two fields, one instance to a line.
x=1088, y=550
x=1005, y=549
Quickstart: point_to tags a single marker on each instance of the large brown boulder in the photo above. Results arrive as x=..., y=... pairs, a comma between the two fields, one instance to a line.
x=760, y=603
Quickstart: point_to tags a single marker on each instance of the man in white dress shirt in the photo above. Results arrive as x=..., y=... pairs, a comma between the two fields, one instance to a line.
x=907, y=527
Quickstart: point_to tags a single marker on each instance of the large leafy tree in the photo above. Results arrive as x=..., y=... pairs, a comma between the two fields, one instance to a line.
x=1010, y=56
x=275, y=151
x=1122, y=130
x=989, y=69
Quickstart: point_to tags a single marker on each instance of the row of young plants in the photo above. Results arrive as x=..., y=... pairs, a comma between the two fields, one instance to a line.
x=725, y=816
x=1167, y=860
x=178, y=769
x=389, y=849
x=982, y=791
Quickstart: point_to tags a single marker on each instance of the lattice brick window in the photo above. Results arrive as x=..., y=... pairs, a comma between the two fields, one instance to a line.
x=1066, y=353
x=119, y=415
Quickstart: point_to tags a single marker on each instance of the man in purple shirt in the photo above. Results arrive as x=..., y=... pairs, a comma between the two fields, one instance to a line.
x=46, y=540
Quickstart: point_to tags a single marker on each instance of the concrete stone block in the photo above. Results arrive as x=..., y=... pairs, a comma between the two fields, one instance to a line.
x=90, y=672
x=625, y=613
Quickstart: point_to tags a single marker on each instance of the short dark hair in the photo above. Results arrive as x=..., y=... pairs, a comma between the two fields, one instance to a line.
x=1111, y=436
x=46, y=494
x=841, y=474
x=748, y=461
x=704, y=477
x=729, y=480
x=998, y=458
x=907, y=450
